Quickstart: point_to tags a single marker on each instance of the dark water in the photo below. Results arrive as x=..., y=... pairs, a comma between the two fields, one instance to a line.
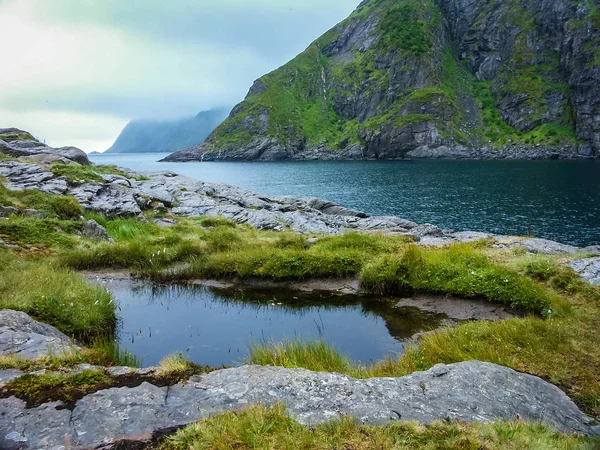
x=557, y=200
x=216, y=327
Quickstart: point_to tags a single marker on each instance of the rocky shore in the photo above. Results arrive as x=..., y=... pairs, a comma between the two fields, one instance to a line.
x=132, y=407
x=133, y=193
x=269, y=150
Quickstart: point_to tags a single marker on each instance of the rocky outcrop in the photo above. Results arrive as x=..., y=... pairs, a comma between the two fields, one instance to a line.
x=177, y=195
x=24, y=337
x=470, y=392
x=20, y=143
x=429, y=79
x=588, y=268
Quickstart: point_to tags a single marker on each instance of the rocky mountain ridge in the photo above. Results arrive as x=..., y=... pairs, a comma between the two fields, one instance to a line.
x=445, y=78
x=149, y=136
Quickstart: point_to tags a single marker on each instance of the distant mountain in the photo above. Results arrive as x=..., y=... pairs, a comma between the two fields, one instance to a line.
x=151, y=136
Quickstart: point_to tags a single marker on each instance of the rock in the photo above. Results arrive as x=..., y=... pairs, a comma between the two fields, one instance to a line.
x=426, y=230
x=111, y=199
x=470, y=392
x=26, y=338
x=7, y=211
x=164, y=222
x=546, y=247
x=29, y=148
x=588, y=268
x=92, y=230
x=592, y=250
x=470, y=236
x=398, y=103
x=7, y=375
x=32, y=213
x=120, y=371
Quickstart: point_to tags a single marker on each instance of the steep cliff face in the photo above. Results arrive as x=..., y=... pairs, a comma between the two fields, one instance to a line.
x=405, y=78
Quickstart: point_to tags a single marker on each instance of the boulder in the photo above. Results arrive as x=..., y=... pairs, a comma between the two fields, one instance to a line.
x=29, y=339
x=470, y=392
x=588, y=269
x=93, y=230
x=546, y=247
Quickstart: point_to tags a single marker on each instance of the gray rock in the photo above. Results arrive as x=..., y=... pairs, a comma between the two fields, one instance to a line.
x=426, y=230
x=93, y=230
x=7, y=211
x=546, y=247
x=469, y=391
x=470, y=236
x=7, y=375
x=32, y=213
x=29, y=339
x=588, y=268
x=120, y=371
x=592, y=250
x=111, y=199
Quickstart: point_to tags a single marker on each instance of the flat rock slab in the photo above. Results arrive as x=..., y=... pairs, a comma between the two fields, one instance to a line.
x=588, y=269
x=29, y=339
x=546, y=247
x=470, y=391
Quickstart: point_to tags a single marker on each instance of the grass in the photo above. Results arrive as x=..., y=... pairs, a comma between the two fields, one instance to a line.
x=461, y=270
x=79, y=174
x=260, y=427
x=56, y=296
x=102, y=352
x=52, y=206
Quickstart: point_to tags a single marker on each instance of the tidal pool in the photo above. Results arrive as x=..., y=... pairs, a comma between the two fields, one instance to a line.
x=215, y=326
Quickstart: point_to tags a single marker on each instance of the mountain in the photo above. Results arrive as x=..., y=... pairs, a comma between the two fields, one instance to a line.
x=145, y=136
x=429, y=78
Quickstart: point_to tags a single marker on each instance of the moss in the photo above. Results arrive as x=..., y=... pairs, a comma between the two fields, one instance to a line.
x=78, y=174
x=11, y=137
x=39, y=232
x=52, y=206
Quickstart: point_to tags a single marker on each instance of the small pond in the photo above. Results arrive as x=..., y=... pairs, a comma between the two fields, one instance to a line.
x=216, y=326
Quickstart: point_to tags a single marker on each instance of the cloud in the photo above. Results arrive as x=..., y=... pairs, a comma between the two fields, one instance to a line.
x=145, y=58
x=89, y=132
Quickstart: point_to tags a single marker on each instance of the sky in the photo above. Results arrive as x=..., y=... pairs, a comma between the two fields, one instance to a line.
x=75, y=72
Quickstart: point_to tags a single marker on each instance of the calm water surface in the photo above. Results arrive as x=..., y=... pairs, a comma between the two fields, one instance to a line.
x=557, y=200
x=216, y=327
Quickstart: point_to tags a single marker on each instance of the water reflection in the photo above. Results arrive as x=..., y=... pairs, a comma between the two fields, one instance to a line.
x=215, y=326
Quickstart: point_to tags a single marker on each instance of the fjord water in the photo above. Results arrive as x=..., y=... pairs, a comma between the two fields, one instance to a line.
x=216, y=327
x=558, y=200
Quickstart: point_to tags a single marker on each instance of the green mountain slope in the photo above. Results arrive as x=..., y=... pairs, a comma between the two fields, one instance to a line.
x=398, y=78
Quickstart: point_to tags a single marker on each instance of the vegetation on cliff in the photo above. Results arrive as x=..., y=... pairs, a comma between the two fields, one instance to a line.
x=398, y=75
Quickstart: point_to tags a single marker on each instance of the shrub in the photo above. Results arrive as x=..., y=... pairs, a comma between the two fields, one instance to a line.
x=541, y=269
x=66, y=208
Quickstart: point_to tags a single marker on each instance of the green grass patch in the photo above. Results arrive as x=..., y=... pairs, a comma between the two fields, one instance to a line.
x=260, y=427
x=39, y=232
x=79, y=174
x=459, y=269
x=53, y=206
x=56, y=296
x=11, y=137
